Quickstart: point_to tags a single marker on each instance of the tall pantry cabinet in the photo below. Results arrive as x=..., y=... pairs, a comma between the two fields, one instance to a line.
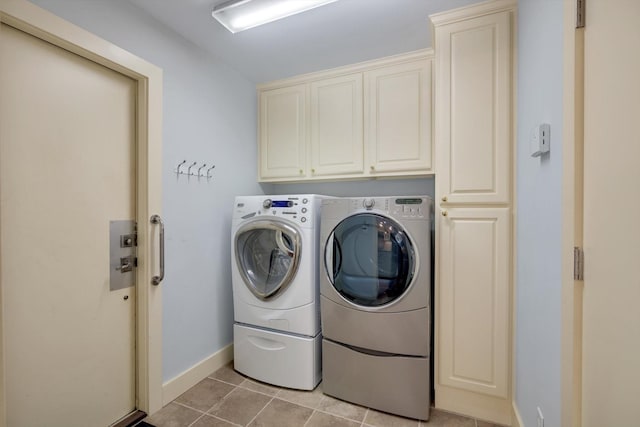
x=474, y=55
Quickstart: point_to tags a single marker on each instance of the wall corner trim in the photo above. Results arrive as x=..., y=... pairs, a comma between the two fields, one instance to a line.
x=473, y=10
x=515, y=416
x=192, y=376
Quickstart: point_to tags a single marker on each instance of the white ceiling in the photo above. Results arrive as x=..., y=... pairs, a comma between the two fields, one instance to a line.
x=340, y=33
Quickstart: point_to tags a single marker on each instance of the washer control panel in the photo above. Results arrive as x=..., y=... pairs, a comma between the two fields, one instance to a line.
x=294, y=208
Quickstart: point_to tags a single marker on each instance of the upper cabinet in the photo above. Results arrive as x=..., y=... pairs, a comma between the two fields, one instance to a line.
x=398, y=127
x=336, y=126
x=372, y=119
x=283, y=133
x=474, y=58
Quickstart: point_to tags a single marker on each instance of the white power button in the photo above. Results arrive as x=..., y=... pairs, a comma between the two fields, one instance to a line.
x=368, y=203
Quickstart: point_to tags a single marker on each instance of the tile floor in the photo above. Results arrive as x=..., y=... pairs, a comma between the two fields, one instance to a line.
x=227, y=398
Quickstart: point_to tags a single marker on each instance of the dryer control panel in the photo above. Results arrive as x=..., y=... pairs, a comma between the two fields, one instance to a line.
x=411, y=207
x=418, y=207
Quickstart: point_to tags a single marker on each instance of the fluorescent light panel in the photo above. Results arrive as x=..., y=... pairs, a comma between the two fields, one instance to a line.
x=239, y=15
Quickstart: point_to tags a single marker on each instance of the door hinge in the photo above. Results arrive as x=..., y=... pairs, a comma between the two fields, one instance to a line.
x=578, y=263
x=581, y=10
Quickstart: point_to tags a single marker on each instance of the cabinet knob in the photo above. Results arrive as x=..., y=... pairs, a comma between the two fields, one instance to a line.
x=444, y=198
x=313, y=171
x=301, y=172
x=373, y=168
x=444, y=213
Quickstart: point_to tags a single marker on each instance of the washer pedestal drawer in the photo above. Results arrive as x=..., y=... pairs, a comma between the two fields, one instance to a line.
x=277, y=358
x=395, y=384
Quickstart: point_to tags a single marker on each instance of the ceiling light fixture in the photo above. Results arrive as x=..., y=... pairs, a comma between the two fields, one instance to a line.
x=239, y=15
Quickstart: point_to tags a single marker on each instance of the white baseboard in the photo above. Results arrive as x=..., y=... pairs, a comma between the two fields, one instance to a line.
x=192, y=376
x=496, y=410
x=517, y=419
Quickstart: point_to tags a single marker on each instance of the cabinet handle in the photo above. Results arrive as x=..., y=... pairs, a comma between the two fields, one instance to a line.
x=444, y=213
x=444, y=198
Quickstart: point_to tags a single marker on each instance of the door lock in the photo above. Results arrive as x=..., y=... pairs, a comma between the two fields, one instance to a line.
x=126, y=264
x=128, y=241
x=122, y=254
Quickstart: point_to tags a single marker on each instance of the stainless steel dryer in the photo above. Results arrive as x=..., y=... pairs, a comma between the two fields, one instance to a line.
x=375, y=302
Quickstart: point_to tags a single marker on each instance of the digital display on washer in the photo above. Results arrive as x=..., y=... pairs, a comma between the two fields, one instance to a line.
x=281, y=204
x=408, y=201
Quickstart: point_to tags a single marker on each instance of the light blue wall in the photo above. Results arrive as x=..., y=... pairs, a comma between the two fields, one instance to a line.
x=209, y=116
x=539, y=190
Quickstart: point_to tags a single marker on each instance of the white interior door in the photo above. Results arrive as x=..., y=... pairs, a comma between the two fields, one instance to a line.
x=67, y=168
x=611, y=334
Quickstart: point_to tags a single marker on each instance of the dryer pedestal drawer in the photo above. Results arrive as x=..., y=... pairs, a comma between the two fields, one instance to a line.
x=277, y=358
x=405, y=332
x=395, y=384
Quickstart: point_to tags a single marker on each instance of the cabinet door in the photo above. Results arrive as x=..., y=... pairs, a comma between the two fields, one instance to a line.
x=473, y=299
x=473, y=108
x=283, y=133
x=398, y=120
x=336, y=126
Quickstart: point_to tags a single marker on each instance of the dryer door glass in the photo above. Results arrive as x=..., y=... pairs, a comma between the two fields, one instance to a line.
x=267, y=255
x=370, y=259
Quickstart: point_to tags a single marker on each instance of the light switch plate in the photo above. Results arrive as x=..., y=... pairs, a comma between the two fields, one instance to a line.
x=540, y=140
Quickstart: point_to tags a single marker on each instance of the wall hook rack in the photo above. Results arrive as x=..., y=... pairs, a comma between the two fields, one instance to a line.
x=200, y=172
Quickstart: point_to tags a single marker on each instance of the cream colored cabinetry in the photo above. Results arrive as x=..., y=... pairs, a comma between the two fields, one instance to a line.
x=367, y=120
x=399, y=117
x=283, y=132
x=336, y=126
x=474, y=57
x=474, y=273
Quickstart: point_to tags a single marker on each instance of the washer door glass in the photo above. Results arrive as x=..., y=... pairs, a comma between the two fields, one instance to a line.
x=267, y=254
x=369, y=259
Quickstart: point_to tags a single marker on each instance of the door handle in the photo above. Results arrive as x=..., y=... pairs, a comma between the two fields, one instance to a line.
x=282, y=246
x=155, y=280
x=328, y=257
x=331, y=245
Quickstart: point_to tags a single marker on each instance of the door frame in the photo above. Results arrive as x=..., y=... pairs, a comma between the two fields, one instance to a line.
x=572, y=217
x=33, y=20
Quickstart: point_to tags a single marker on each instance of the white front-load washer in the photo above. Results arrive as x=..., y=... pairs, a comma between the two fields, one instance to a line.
x=375, y=302
x=275, y=274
